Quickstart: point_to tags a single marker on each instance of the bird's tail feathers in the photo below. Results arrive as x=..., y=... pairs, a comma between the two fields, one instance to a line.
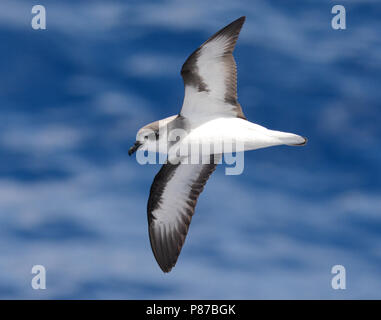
x=289, y=139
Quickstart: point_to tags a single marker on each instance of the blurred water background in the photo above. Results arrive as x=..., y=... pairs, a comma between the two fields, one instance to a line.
x=73, y=96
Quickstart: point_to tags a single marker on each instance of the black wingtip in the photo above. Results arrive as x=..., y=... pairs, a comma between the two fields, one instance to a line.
x=164, y=265
x=240, y=21
x=231, y=31
x=237, y=24
x=165, y=270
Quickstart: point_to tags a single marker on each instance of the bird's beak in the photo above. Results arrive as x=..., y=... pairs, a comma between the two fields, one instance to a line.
x=135, y=147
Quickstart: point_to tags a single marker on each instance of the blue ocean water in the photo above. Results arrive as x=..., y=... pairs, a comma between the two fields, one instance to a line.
x=73, y=96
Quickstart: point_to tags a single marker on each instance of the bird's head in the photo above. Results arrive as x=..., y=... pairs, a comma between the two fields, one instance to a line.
x=149, y=136
x=146, y=137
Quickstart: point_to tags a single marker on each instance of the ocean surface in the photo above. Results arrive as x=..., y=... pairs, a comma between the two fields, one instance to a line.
x=73, y=96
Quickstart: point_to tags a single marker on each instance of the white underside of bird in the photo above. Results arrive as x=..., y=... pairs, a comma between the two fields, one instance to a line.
x=234, y=135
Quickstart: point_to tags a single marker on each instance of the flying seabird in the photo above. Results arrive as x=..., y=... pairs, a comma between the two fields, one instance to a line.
x=210, y=113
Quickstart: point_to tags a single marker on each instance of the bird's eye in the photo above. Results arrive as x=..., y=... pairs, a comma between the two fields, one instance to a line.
x=145, y=138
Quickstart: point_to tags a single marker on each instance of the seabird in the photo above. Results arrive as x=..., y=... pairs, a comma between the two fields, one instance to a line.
x=210, y=113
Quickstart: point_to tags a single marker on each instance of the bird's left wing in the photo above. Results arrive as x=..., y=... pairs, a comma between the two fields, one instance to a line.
x=210, y=76
x=171, y=204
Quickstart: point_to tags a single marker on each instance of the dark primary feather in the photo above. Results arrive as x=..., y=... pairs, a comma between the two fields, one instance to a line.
x=192, y=77
x=167, y=239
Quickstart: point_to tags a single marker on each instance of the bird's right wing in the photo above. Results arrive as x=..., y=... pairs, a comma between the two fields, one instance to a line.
x=210, y=76
x=172, y=200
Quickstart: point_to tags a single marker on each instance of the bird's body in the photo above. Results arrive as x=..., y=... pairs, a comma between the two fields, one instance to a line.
x=251, y=136
x=210, y=116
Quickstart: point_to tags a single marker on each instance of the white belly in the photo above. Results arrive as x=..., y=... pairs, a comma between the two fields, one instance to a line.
x=233, y=134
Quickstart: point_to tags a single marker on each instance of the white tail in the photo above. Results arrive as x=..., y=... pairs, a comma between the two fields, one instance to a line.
x=289, y=139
